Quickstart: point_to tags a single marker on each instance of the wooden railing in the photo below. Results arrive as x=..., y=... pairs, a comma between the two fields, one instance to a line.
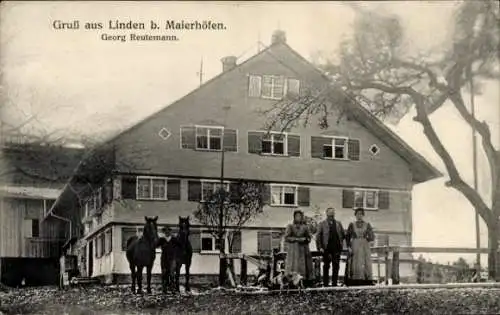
x=36, y=247
x=389, y=256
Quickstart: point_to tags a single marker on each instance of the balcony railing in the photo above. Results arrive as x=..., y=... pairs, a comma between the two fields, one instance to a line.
x=36, y=247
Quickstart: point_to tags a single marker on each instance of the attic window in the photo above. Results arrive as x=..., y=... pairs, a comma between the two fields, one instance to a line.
x=374, y=149
x=164, y=133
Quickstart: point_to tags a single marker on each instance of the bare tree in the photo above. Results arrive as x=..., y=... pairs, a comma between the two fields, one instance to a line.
x=376, y=69
x=240, y=205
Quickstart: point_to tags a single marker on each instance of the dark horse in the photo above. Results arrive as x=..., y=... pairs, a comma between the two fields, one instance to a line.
x=183, y=252
x=141, y=252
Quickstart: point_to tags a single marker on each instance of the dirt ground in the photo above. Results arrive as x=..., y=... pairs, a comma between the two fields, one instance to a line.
x=111, y=300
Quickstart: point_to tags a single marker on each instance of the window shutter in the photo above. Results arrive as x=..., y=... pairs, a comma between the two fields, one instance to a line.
x=236, y=242
x=188, y=137
x=264, y=242
x=230, y=140
x=293, y=145
x=254, y=85
x=194, y=190
x=174, y=189
x=266, y=194
x=255, y=142
x=304, y=196
x=293, y=87
x=347, y=198
x=317, y=146
x=383, y=199
x=195, y=240
x=129, y=187
x=234, y=191
x=353, y=149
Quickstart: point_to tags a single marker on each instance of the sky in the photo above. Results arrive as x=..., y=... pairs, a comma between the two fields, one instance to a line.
x=78, y=84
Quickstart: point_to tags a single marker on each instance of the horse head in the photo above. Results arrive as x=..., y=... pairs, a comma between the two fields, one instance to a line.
x=150, y=231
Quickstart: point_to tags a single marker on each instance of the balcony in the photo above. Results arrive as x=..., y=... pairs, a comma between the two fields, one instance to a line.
x=37, y=247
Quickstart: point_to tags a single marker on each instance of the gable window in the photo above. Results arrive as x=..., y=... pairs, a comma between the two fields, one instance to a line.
x=273, y=87
x=209, y=138
x=209, y=243
x=337, y=149
x=210, y=187
x=274, y=143
x=284, y=195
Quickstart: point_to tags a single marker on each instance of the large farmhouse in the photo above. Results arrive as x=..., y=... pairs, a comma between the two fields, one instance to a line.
x=165, y=165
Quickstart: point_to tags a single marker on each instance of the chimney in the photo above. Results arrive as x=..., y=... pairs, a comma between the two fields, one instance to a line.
x=279, y=37
x=228, y=63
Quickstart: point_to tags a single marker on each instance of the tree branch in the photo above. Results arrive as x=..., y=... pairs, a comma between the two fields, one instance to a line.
x=456, y=180
x=483, y=130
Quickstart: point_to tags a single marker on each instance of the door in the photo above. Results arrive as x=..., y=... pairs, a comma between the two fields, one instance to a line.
x=91, y=259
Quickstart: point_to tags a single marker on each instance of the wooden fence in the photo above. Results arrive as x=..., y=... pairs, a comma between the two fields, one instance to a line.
x=387, y=255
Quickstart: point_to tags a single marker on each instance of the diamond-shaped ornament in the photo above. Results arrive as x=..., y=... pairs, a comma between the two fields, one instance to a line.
x=374, y=149
x=164, y=133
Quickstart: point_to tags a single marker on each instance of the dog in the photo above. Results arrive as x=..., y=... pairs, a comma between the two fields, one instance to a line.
x=285, y=282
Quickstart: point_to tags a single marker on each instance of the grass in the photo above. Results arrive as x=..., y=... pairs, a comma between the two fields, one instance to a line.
x=119, y=300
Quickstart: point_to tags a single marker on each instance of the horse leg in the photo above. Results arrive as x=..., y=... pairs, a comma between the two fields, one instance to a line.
x=177, y=276
x=133, y=274
x=139, y=279
x=148, y=278
x=188, y=265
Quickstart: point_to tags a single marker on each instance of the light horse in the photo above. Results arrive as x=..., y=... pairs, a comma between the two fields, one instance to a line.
x=183, y=252
x=141, y=252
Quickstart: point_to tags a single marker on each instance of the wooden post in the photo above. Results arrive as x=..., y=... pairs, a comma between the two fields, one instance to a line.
x=317, y=269
x=395, y=266
x=243, y=271
x=386, y=276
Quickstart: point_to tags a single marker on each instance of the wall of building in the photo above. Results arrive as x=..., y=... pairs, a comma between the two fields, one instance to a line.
x=141, y=148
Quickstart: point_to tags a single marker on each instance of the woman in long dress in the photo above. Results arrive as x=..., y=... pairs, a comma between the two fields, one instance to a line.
x=359, y=235
x=297, y=238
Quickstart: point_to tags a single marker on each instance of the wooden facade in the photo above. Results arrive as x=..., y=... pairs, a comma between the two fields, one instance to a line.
x=177, y=152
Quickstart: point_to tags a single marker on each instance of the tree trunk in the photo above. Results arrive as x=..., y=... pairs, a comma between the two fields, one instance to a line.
x=494, y=254
x=222, y=262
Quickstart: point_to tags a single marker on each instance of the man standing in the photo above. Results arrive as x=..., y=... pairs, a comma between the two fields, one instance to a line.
x=329, y=241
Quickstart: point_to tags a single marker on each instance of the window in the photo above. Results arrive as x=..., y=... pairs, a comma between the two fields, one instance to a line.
x=128, y=232
x=108, y=242
x=209, y=187
x=367, y=199
x=151, y=188
x=209, y=243
x=273, y=87
x=284, y=195
x=274, y=143
x=35, y=228
x=337, y=149
x=209, y=138
x=268, y=241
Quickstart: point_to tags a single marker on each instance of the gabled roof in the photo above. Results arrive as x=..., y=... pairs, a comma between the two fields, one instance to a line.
x=421, y=169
